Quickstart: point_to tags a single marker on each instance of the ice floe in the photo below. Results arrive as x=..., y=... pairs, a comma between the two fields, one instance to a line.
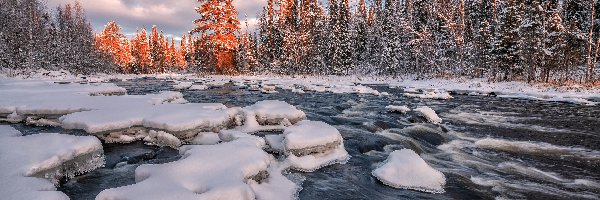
x=221, y=171
x=274, y=112
x=31, y=166
x=407, y=170
x=311, y=145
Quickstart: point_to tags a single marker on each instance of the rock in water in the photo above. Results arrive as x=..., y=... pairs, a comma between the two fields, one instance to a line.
x=406, y=170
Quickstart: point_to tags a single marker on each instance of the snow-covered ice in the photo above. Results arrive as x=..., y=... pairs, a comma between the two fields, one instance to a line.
x=231, y=170
x=31, y=166
x=206, y=138
x=438, y=95
x=273, y=112
x=311, y=145
x=183, y=85
x=407, y=170
x=400, y=109
x=309, y=134
x=429, y=114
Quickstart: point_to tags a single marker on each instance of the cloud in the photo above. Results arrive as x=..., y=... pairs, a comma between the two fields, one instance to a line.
x=173, y=16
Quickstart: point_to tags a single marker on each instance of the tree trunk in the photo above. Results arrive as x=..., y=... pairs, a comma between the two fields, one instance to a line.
x=588, y=74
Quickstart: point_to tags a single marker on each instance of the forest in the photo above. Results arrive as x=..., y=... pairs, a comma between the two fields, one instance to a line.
x=555, y=41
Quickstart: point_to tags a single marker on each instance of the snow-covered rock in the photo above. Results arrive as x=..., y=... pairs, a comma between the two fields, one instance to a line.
x=429, y=114
x=268, y=89
x=311, y=145
x=183, y=85
x=406, y=170
x=274, y=112
x=31, y=166
x=233, y=170
x=400, y=109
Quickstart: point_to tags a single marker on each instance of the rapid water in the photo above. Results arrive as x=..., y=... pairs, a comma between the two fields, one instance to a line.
x=487, y=147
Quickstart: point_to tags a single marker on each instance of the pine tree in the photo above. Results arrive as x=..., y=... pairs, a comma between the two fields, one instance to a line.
x=114, y=43
x=217, y=24
x=140, y=50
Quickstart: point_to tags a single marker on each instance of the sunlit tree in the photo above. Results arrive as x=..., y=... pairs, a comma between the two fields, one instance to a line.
x=217, y=25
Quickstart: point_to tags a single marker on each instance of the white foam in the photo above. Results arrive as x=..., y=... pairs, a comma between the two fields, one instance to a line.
x=537, y=148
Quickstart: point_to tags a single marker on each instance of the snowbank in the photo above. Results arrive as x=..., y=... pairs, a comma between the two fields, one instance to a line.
x=30, y=166
x=429, y=114
x=406, y=170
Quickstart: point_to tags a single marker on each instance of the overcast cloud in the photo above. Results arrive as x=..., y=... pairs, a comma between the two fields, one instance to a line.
x=173, y=16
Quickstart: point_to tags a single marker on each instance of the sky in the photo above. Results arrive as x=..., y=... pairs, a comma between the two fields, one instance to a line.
x=174, y=17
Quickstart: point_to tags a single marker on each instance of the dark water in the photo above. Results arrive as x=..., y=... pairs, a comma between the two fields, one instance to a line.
x=512, y=167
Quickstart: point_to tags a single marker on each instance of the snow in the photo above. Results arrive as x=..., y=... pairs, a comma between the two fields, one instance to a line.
x=206, y=138
x=307, y=134
x=183, y=85
x=438, y=95
x=268, y=89
x=400, y=109
x=219, y=171
x=275, y=142
x=406, y=170
x=429, y=114
x=31, y=166
x=313, y=145
x=161, y=138
x=346, y=84
x=277, y=187
x=232, y=135
x=313, y=162
x=273, y=112
x=167, y=117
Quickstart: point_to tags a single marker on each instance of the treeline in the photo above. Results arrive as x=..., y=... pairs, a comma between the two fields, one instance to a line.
x=536, y=40
x=31, y=38
x=144, y=53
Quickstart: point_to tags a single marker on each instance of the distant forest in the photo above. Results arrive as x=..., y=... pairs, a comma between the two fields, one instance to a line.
x=554, y=41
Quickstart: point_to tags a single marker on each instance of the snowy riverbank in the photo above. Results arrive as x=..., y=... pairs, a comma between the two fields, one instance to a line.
x=352, y=84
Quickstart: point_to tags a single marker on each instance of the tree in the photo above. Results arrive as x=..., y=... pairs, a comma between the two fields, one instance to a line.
x=114, y=43
x=217, y=25
x=140, y=50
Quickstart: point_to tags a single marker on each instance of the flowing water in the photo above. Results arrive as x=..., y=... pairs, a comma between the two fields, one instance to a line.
x=487, y=147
